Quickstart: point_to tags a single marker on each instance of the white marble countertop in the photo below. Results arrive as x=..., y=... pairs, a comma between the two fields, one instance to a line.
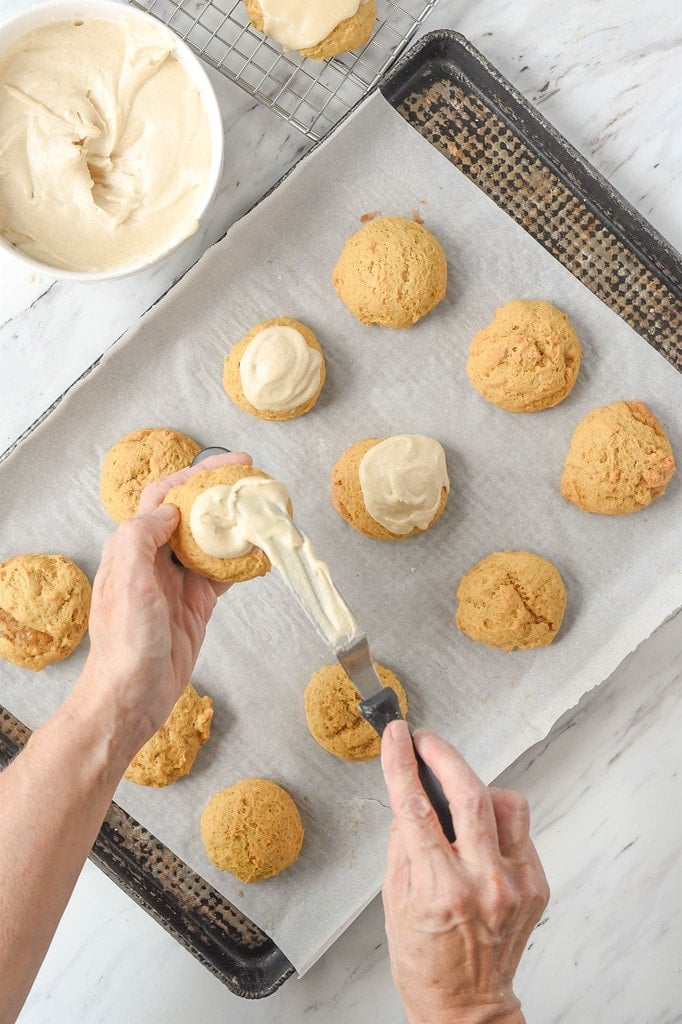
x=604, y=785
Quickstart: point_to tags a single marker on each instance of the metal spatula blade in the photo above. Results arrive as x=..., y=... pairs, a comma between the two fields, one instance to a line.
x=379, y=706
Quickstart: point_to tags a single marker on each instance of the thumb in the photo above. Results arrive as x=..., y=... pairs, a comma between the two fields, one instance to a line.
x=132, y=547
x=164, y=519
x=159, y=524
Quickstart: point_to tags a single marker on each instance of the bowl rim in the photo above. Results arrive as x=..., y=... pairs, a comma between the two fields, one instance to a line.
x=44, y=13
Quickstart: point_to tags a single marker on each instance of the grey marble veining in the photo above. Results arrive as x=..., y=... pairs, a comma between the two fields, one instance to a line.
x=604, y=786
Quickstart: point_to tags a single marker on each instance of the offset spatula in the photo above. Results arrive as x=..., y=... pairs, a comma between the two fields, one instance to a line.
x=379, y=704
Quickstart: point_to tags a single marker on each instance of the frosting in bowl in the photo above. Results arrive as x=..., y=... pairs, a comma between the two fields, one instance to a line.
x=105, y=146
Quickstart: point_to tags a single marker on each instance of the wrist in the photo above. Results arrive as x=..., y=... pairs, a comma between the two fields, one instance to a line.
x=472, y=1015
x=466, y=1017
x=113, y=731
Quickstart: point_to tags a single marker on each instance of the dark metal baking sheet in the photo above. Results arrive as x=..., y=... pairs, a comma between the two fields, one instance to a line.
x=458, y=101
x=463, y=106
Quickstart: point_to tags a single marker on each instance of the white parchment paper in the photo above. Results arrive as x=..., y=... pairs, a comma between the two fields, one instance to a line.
x=623, y=575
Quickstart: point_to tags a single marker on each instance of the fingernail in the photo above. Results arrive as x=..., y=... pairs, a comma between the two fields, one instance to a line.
x=399, y=733
x=424, y=735
x=166, y=511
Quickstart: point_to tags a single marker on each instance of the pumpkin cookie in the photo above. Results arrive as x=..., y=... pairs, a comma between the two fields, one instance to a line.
x=253, y=562
x=171, y=751
x=350, y=34
x=511, y=599
x=44, y=606
x=527, y=359
x=331, y=710
x=620, y=460
x=136, y=460
x=391, y=272
x=276, y=371
x=252, y=829
x=393, y=487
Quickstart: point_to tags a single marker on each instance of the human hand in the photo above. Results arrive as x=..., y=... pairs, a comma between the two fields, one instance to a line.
x=148, y=617
x=458, y=916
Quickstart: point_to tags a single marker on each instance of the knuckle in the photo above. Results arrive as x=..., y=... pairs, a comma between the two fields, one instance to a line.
x=416, y=807
x=543, y=893
x=503, y=900
x=474, y=801
x=129, y=529
x=444, y=911
x=153, y=493
x=517, y=803
x=511, y=803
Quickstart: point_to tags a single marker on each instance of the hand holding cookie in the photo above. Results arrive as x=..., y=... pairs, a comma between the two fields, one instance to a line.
x=148, y=618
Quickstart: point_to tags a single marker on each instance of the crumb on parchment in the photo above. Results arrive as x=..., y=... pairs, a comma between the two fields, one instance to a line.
x=416, y=217
x=369, y=216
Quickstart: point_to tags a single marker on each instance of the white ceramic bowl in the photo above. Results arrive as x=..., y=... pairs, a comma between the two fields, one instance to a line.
x=113, y=11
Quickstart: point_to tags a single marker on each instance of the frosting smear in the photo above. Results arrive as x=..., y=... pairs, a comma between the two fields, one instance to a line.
x=228, y=520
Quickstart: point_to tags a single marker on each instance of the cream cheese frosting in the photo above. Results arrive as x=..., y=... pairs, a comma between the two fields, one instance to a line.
x=299, y=24
x=105, y=145
x=402, y=480
x=279, y=371
x=226, y=521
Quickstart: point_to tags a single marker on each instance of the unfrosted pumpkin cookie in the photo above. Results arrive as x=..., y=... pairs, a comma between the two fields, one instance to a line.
x=171, y=751
x=392, y=487
x=511, y=599
x=276, y=371
x=252, y=829
x=391, y=272
x=246, y=566
x=136, y=460
x=331, y=710
x=620, y=460
x=349, y=34
x=44, y=607
x=527, y=358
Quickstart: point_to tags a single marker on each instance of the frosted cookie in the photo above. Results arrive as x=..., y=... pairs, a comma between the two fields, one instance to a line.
x=252, y=829
x=276, y=371
x=208, y=539
x=620, y=460
x=44, y=607
x=136, y=460
x=511, y=599
x=171, y=751
x=391, y=272
x=393, y=487
x=331, y=710
x=317, y=30
x=527, y=359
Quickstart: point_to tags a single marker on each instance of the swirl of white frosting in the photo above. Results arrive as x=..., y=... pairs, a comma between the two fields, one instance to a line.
x=402, y=480
x=298, y=24
x=213, y=523
x=279, y=370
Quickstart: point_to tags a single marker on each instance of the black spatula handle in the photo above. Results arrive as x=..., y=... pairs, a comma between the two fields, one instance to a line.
x=383, y=708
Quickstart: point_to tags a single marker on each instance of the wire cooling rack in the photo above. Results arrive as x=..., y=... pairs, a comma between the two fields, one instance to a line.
x=310, y=95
